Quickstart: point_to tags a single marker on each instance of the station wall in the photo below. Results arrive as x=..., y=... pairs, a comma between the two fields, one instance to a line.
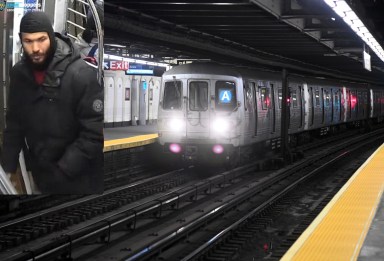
x=130, y=99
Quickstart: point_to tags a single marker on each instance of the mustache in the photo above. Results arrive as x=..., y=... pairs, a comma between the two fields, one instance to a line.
x=37, y=53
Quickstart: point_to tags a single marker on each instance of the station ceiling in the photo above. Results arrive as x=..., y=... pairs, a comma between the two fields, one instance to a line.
x=304, y=36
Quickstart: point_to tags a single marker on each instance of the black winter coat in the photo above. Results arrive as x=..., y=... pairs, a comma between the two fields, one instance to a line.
x=59, y=122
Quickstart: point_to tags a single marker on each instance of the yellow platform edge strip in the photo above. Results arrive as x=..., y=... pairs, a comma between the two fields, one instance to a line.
x=126, y=143
x=324, y=239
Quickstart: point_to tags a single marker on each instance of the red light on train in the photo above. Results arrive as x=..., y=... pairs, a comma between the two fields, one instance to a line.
x=353, y=101
x=267, y=102
x=266, y=247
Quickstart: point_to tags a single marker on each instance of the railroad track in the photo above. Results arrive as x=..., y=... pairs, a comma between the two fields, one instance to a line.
x=121, y=167
x=131, y=217
x=205, y=231
x=36, y=226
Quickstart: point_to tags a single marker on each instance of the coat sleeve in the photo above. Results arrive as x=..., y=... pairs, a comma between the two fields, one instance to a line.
x=13, y=139
x=88, y=146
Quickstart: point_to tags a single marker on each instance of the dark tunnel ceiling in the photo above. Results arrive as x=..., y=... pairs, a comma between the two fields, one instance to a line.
x=298, y=34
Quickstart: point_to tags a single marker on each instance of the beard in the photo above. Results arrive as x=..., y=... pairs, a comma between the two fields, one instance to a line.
x=48, y=56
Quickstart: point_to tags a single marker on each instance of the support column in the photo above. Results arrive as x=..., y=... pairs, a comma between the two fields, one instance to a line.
x=142, y=104
x=134, y=101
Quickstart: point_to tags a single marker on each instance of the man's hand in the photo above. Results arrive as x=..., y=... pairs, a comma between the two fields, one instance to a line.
x=17, y=181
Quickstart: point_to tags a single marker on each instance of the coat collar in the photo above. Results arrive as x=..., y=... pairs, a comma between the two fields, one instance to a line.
x=65, y=54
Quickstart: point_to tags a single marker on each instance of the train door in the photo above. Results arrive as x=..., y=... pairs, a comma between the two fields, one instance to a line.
x=373, y=103
x=344, y=104
x=306, y=103
x=255, y=112
x=327, y=106
x=332, y=106
x=311, y=107
x=301, y=104
x=272, y=108
x=295, y=118
x=336, y=106
x=322, y=106
x=317, y=107
x=149, y=100
x=197, y=112
x=265, y=115
x=250, y=111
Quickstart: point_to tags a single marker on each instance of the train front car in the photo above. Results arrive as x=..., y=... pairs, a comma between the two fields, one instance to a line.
x=199, y=113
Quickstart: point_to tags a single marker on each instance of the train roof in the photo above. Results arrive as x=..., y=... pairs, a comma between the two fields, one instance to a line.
x=218, y=69
x=203, y=68
x=248, y=73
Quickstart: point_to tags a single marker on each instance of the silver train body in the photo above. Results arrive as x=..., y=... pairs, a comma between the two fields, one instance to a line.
x=207, y=111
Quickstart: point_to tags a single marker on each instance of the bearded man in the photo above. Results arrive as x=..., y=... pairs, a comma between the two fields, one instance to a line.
x=55, y=113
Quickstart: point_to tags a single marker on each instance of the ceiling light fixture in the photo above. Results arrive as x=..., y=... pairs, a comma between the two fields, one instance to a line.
x=341, y=8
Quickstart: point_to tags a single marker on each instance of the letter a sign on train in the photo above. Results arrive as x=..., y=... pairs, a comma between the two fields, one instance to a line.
x=225, y=96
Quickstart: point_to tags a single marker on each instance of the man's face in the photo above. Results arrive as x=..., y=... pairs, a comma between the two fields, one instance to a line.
x=36, y=46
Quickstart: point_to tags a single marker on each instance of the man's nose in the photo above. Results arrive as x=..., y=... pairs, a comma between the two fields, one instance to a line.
x=35, y=47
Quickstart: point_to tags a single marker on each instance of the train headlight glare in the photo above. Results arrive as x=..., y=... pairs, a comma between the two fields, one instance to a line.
x=175, y=148
x=176, y=124
x=221, y=125
x=218, y=149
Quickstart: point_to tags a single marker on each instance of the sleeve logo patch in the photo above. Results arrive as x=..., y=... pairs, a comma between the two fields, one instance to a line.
x=97, y=105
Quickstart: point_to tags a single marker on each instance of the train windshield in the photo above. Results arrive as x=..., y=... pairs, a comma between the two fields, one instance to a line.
x=172, y=95
x=225, y=93
x=198, y=96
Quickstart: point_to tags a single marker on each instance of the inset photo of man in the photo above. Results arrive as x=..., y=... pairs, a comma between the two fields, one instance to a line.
x=54, y=115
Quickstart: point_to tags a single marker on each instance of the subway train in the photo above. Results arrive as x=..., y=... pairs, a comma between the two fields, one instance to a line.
x=213, y=112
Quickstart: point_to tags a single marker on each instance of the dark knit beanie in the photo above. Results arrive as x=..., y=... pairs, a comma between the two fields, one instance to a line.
x=34, y=22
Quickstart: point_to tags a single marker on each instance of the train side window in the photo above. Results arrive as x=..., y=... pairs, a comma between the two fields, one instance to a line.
x=198, y=96
x=280, y=96
x=225, y=93
x=327, y=98
x=172, y=95
x=317, y=98
x=336, y=98
x=248, y=98
x=294, y=99
x=265, y=99
x=310, y=100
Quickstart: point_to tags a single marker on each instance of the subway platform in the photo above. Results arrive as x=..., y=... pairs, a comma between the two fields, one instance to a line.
x=351, y=226
x=129, y=137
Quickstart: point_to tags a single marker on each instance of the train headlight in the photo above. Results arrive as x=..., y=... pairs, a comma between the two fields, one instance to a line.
x=175, y=148
x=221, y=125
x=176, y=124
